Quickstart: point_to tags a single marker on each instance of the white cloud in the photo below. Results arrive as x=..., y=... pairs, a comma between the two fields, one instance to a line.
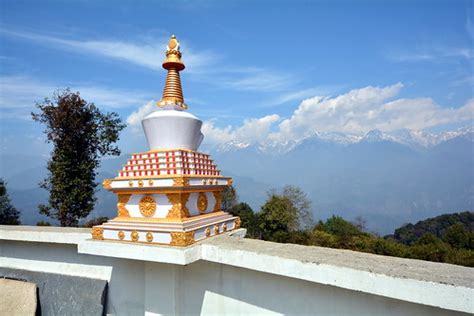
x=252, y=130
x=433, y=54
x=134, y=120
x=204, y=66
x=19, y=94
x=355, y=112
x=148, y=53
x=350, y=112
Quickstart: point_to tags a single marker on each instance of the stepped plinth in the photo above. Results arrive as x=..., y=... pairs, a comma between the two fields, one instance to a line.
x=170, y=194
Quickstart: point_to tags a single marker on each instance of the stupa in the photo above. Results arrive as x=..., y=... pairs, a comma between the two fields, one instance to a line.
x=170, y=194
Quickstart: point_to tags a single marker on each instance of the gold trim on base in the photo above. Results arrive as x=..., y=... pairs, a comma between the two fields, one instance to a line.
x=182, y=238
x=97, y=233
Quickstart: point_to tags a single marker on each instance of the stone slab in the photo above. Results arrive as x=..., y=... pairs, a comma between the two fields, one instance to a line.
x=17, y=297
x=62, y=294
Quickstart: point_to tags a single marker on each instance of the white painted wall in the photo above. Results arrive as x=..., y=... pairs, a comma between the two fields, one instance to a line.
x=141, y=287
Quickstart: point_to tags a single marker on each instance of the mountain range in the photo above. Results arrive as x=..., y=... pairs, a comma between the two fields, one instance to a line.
x=387, y=178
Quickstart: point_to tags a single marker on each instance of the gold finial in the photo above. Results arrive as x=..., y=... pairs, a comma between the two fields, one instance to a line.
x=172, y=93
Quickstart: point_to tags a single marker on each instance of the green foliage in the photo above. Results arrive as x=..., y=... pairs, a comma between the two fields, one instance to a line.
x=300, y=201
x=80, y=134
x=323, y=239
x=338, y=226
x=229, y=198
x=43, y=223
x=277, y=218
x=408, y=234
x=459, y=237
x=388, y=247
x=247, y=217
x=282, y=219
x=9, y=215
x=431, y=248
x=95, y=221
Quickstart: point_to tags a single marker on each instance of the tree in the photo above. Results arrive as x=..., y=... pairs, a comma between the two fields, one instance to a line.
x=247, y=217
x=277, y=218
x=302, y=204
x=95, y=221
x=9, y=215
x=229, y=198
x=457, y=236
x=80, y=134
x=43, y=223
x=360, y=222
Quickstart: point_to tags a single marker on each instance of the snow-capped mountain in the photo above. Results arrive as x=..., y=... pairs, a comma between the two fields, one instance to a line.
x=416, y=139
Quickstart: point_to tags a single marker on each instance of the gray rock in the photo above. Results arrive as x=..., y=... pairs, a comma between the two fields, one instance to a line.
x=62, y=294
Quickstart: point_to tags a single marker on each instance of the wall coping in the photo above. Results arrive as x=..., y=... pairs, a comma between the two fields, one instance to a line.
x=435, y=284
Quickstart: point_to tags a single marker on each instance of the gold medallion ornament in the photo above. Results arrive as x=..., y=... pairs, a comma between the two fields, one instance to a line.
x=202, y=202
x=147, y=206
x=134, y=236
x=149, y=237
x=208, y=232
x=130, y=183
x=98, y=233
x=216, y=229
x=140, y=183
x=237, y=223
x=121, y=235
x=150, y=182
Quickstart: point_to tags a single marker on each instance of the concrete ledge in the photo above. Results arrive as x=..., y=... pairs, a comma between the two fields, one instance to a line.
x=48, y=234
x=440, y=285
x=143, y=252
x=434, y=284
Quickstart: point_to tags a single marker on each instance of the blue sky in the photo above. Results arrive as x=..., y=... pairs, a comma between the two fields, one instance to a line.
x=256, y=70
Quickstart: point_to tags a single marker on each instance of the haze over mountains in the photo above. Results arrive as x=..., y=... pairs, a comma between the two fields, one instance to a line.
x=387, y=178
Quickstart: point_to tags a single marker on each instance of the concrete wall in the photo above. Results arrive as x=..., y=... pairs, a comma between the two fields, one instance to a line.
x=207, y=288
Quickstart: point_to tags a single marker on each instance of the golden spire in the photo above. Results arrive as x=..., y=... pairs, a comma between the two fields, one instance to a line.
x=172, y=93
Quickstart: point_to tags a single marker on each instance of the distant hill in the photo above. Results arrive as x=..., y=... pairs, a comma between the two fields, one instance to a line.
x=410, y=233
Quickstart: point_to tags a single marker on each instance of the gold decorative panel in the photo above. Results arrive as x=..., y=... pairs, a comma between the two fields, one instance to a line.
x=202, y=202
x=122, y=202
x=178, y=202
x=107, y=184
x=180, y=182
x=218, y=201
x=182, y=238
x=147, y=206
x=97, y=233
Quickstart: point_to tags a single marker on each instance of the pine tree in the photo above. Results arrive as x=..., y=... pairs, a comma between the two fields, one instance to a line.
x=9, y=215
